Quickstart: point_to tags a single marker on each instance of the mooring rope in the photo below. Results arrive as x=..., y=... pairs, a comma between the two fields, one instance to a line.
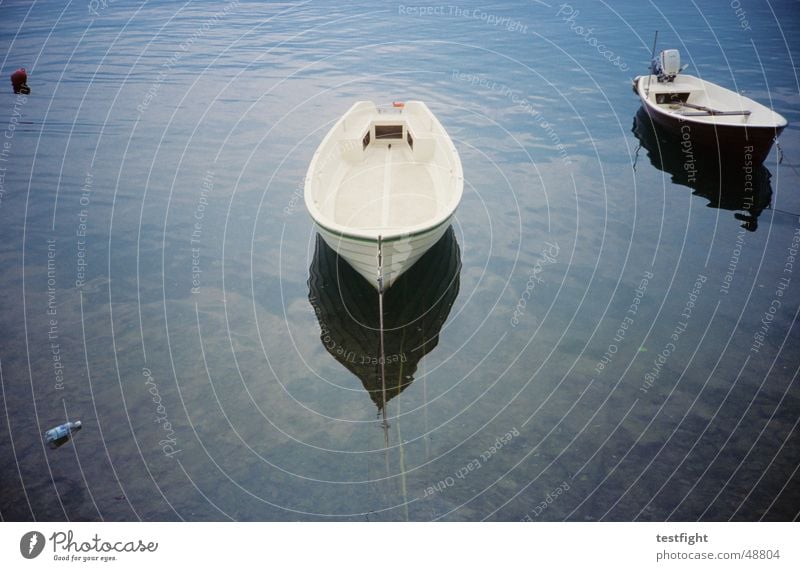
x=380, y=325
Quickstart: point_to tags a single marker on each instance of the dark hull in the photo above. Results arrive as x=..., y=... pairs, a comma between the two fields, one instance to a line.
x=741, y=143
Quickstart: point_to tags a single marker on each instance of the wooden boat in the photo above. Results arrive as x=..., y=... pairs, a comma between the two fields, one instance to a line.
x=415, y=310
x=725, y=182
x=706, y=114
x=383, y=186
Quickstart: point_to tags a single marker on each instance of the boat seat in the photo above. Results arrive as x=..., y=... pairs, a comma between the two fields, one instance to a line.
x=665, y=98
x=424, y=148
x=351, y=150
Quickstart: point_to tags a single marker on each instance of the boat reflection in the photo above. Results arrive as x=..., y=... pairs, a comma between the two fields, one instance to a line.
x=414, y=310
x=728, y=182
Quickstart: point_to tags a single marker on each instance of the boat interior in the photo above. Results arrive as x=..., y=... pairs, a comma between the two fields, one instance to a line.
x=390, y=174
x=703, y=101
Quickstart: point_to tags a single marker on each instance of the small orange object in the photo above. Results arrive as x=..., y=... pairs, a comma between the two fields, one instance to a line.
x=398, y=104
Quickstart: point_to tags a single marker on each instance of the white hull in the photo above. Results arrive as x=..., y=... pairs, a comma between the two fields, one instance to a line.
x=398, y=255
x=389, y=176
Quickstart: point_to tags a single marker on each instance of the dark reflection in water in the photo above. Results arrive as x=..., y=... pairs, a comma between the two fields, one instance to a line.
x=727, y=182
x=59, y=442
x=414, y=310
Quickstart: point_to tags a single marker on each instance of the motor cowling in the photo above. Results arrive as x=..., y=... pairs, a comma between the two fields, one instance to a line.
x=667, y=65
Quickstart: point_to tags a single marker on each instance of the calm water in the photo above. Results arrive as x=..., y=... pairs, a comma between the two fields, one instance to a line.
x=161, y=278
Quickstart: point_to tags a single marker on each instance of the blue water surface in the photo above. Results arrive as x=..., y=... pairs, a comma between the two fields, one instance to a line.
x=619, y=348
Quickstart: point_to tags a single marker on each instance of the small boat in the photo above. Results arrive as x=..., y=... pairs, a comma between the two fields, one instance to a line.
x=415, y=310
x=726, y=183
x=383, y=186
x=706, y=114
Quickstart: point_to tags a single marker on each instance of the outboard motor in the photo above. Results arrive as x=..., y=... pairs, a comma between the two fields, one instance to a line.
x=667, y=65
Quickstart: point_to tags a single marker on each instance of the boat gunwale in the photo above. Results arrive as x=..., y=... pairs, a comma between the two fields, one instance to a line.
x=710, y=120
x=386, y=237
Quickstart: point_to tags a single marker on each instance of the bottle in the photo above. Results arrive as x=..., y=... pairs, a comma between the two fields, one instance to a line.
x=61, y=431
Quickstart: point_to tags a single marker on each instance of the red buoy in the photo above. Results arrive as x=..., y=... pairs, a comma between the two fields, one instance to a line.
x=19, y=81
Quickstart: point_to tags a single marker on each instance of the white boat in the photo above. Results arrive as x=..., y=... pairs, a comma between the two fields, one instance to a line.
x=383, y=186
x=705, y=114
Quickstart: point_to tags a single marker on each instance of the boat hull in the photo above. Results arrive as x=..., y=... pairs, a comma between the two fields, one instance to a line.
x=743, y=142
x=399, y=253
x=384, y=180
x=748, y=144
